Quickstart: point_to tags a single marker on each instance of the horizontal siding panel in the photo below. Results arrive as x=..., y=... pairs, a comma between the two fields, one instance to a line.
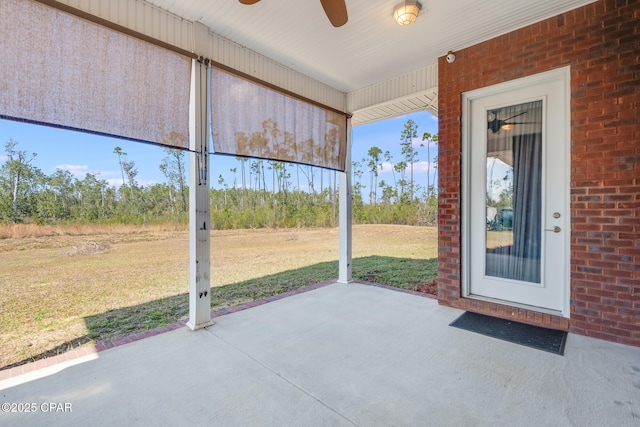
x=417, y=81
x=415, y=91
x=420, y=102
x=141, y=17
x=249, y=62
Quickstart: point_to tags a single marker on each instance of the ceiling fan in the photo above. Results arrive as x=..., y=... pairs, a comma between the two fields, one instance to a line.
x=496, y=124
x=336, y=10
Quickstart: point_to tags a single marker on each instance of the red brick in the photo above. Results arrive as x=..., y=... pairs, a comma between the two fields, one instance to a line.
x=599, y=42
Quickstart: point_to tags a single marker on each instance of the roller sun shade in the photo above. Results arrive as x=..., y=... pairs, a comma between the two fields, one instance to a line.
x=252, y=120
x=61, y=70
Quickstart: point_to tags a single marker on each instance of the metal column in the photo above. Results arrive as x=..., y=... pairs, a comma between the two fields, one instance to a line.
x=345, y=216
x=199, y=203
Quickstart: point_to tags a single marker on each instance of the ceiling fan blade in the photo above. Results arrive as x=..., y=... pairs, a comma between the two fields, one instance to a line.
x=249, y=1
x=336, y=11
x=525, y=112
x=519, y=123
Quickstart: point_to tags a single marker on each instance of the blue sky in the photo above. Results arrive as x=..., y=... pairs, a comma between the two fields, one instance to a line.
x=82, y=153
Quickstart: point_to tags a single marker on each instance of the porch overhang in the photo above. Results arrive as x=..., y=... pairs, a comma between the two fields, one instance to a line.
x=373, y=75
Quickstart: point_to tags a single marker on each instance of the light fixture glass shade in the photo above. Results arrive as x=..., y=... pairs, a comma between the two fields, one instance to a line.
x=406, y=12
x=507, y=126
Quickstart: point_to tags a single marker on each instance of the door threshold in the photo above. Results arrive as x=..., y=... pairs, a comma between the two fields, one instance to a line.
x=512, y=304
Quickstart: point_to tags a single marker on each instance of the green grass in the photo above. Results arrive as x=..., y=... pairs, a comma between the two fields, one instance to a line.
x=53, y=299
x=404, y=273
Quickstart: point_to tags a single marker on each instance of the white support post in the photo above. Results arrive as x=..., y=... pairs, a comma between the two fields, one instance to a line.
x=199, y=210
x=345, y=216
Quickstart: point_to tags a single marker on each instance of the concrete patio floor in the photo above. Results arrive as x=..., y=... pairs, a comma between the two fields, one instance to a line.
x=344, y=355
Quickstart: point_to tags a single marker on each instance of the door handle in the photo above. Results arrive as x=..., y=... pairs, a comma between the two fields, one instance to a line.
x=555, y=229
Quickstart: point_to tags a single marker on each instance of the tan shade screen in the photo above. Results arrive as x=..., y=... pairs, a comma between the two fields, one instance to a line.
x=251, y=120
x=58, y=69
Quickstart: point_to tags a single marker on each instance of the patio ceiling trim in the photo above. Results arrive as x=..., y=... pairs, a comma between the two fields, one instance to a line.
x=408, y=93
x=423, y=101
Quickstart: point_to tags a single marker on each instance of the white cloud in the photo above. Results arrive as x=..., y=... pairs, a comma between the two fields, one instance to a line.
x=422, y=167
x=239, y=186
x=416, y=142
x=76, y=170
x=117, y=182
x=418, y=167
x=304, y=186
x=147, y=182
x=3, y=158
x=80, y=171
x=431, y=144
x=386, y=167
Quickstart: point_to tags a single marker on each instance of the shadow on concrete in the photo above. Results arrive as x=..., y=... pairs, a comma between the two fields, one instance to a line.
x=404, y=273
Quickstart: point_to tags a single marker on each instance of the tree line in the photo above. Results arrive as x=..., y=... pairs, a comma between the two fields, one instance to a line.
x=263, y=193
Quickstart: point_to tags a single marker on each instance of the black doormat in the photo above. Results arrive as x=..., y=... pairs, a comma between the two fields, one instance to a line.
x=550, y=340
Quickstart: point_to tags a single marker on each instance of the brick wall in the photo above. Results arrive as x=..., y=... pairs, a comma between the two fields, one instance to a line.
x=601, y=43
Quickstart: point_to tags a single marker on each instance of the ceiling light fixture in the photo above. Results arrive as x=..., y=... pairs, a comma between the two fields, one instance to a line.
x=406, y=12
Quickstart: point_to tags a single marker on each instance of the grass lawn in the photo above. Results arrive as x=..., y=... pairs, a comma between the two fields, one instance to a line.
x=61, y=291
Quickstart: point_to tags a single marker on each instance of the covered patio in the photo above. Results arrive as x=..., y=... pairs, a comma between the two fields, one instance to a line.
x=349, y=353
x=338, y=354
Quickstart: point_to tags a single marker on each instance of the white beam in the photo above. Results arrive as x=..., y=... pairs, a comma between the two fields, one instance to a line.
x=345, y=216
x=199, y=210
x=199, y=214
x=406, y=86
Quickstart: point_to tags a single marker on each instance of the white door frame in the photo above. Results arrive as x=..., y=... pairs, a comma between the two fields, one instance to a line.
x=561, y=75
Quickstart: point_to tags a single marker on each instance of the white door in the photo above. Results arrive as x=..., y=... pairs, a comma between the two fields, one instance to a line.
x=516, y=192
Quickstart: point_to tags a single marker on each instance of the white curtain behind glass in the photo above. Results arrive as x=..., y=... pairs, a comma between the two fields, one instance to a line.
x=515, y=143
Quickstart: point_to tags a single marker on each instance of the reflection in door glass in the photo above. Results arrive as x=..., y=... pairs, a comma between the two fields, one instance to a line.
x=513, y=192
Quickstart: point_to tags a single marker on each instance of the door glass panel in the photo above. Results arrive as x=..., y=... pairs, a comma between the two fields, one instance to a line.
x=514, y=192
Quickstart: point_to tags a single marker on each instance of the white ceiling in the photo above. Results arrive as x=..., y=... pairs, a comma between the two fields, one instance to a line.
x=371, y=47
